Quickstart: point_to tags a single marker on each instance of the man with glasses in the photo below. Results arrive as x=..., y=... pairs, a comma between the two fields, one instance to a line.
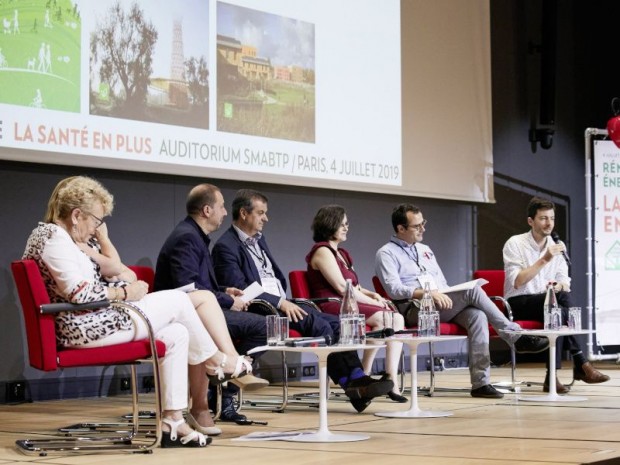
x=404, y=265
x=531, y=261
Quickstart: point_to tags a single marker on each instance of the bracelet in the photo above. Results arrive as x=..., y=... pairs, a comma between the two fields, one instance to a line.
x=124, y=288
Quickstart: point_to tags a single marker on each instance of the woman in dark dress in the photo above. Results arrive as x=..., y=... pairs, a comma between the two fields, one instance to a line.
x=328, y=269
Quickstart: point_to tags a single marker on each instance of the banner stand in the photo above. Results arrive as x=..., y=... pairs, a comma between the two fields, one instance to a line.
x=590, y=135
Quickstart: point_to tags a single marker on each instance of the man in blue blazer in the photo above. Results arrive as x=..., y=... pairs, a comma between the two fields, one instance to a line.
x=185, y=259
x=241, y=257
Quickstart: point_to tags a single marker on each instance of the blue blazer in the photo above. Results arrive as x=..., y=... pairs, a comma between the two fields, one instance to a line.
x=234, y=266
x=184, y=258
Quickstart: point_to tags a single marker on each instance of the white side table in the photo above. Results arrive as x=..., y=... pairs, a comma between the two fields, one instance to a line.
x=323, y=434
x=552, y=335
x=413, y=343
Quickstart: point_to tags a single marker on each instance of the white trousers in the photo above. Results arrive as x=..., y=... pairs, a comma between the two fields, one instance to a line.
x=176, y=324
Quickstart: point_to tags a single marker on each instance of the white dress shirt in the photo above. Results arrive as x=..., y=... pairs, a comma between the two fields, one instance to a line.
x=520, y=252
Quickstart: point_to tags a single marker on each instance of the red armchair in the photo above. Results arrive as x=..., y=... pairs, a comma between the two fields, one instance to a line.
x=44, y=354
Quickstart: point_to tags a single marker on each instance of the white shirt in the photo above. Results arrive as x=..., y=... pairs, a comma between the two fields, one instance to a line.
x=520, y=252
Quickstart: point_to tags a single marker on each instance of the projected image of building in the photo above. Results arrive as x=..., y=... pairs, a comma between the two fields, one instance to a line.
x=265, y=81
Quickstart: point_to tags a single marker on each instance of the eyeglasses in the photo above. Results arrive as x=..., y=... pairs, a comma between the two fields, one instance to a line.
x=418, y=227
x=99, y=220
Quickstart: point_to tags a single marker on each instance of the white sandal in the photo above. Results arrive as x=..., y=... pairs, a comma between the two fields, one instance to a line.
x=171, y=439
x=242, y=368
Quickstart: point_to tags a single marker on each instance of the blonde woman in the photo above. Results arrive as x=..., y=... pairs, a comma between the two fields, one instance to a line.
x=76, y=210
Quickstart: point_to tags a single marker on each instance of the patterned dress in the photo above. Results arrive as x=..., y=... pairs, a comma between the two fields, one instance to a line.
x=71, y=276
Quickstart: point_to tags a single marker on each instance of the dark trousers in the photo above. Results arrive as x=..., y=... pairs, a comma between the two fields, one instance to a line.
x=247, y=330
x=317, y=323
x=530, y=307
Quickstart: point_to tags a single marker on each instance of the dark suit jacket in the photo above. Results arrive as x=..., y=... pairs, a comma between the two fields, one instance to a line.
x=234, y=266
x=184, y=258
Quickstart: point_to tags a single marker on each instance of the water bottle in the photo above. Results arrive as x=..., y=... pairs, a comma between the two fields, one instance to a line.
x=552, y=312
x=426, y=325
x=349, y=317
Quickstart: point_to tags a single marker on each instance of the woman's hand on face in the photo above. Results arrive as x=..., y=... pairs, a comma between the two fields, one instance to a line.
x=101, y=233
x=136, y=290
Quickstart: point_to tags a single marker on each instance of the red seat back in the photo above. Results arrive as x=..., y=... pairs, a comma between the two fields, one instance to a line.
x=495, y=278
x=299, y=284
x=144, y=273
x=40, y=329
x=495, y=288
x=376, y=283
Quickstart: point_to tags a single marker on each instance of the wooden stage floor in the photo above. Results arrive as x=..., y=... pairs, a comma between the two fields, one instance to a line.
x=481, y=432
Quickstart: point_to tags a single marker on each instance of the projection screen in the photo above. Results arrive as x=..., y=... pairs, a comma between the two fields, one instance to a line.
x=345, y=94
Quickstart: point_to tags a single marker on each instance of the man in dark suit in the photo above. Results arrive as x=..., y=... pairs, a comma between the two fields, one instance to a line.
x=185, y=258
x=241, y=257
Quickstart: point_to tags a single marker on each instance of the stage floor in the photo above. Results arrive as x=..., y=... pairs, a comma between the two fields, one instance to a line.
x=506, y=431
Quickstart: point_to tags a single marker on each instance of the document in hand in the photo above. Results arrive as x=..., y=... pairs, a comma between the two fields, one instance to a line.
x=191, y=287
x=252, y=291
x=465, y=286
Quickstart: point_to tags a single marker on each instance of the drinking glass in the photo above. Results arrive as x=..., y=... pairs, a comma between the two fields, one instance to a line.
x=272, y=330
x=574, y=318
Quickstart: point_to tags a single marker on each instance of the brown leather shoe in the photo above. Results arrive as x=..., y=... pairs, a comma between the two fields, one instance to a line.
x=588, y=374
x=559, y=387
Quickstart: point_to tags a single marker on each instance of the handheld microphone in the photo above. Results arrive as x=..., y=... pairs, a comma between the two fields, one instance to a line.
x=382, y=333
x=556, y=238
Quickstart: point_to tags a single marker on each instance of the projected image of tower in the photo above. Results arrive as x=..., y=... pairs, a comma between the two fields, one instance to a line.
x=178, y=85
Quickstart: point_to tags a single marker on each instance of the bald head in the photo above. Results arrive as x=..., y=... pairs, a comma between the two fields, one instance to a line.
x=199, y=196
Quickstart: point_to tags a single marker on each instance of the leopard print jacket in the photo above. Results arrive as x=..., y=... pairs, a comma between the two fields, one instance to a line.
x=76, y=328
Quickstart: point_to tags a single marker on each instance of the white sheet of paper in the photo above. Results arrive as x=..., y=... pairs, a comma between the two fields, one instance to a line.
x=465, y=286
x=252, y=292
x=270, y=285
x=191, y=287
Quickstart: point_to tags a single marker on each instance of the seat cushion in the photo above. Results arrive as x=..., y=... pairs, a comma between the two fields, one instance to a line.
x=108, y=355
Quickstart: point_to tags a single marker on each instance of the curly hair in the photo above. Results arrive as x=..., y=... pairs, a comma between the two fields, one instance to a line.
x=538, y=203
x=77, y=192
x=326, y=222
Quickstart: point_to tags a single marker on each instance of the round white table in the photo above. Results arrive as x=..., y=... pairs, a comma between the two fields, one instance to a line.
x=552, y=335
x=414, y=410
x=323, y=434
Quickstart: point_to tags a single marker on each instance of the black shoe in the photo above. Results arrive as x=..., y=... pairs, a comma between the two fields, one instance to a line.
x=531, y=344
x=397, y=398
x=487, y=391
x=360, y=404
x=368, y=388
x=228, y=411
x=392, y=395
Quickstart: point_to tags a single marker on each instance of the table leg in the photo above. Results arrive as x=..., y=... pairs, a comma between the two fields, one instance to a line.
x=324, y=434
x=553, y=395
x=414, y=411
